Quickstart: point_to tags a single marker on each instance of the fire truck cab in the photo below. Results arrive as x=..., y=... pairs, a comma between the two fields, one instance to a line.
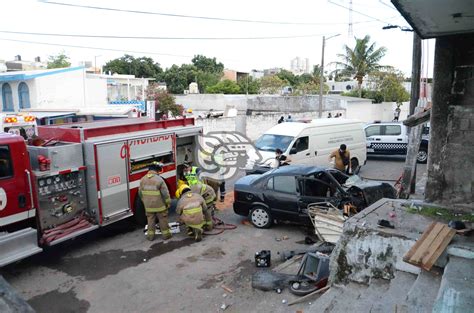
x=82, y=177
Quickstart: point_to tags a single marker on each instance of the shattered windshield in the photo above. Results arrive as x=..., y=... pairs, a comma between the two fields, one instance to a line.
x=352, y=180
x=270, y=142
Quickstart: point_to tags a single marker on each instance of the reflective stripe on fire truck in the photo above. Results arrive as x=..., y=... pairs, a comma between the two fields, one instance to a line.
x=134, y=184
x=17, y=217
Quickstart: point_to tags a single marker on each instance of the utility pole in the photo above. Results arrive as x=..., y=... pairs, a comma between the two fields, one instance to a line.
x=415, y=73
x=321, y=78
x=321, y=81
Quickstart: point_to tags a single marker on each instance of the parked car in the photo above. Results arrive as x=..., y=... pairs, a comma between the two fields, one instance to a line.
x=311, y=143
x=391, y=138
x=284, y=193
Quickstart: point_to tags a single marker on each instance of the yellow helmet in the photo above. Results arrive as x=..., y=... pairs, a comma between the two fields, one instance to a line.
x=180, y=189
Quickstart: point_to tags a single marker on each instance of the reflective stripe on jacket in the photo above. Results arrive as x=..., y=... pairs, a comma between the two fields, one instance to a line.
x=191, y=207
x=192, y=177
x=154, y=193
x=205, y=191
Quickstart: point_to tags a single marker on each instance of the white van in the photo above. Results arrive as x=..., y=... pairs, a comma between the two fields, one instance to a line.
x=312, y=143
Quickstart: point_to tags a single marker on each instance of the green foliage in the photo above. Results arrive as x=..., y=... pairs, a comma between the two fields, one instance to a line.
x=205, y=64
x=375, y=95
x=164, y=102
x=140, y=67
x=272, y=84
x=178, y=78
x=310, y=88
x=226, y=87
x=288, y=76
x=441, y=213
x=58, y=61
x=362, y=60
x=249, y=85
x=390, y=84
x=207, y=79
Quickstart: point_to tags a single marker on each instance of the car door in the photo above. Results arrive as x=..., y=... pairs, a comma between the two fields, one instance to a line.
x=316, y=190
x=373, y=135
x=281, y=195
x=300, y=151
x=394, y=140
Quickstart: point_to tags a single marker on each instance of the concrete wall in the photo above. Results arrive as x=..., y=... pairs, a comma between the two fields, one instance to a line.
x=254, y=125
x=369, y=112
x=451, y=151
x=96, y=92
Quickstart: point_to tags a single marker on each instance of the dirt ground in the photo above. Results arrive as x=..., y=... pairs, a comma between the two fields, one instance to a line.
x=116, y=270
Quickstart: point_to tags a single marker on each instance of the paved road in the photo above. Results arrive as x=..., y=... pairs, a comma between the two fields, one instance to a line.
x=116, y=270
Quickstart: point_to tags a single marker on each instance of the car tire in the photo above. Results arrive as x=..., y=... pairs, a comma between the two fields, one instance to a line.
x=261, y=217
x=355, y=165
x=422, y=156
x=139, y=214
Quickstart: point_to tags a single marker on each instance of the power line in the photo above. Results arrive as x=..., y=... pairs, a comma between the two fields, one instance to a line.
x=358, y=12
x=96, y=48
x=192, y=16
x=159, y=38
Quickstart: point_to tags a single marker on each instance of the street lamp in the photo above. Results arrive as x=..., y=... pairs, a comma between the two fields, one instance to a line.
x=321, y=79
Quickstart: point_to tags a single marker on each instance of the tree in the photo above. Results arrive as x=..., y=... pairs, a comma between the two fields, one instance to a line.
x=390, y=84
x=178, y=78
x=140, y=67
x=226, y=87
x=164, y=102
x=205, y=64
x=316, y=70
x=362, y=60
x=272, y=84
x=310, y=88
x=209, y=71
x=288, y=76
x=58, y=61
x=249, y=85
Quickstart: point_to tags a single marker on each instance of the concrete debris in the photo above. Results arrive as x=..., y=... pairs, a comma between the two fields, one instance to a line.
x=224, y=306
x=270, y=280
x=227, y=289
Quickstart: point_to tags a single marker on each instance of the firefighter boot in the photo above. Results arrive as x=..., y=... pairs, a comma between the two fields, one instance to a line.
x=197, y=234
x=190, y=231
x=150, y=236
x=166, y=234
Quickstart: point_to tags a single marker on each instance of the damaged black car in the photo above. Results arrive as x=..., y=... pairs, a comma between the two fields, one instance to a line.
x=285, y=193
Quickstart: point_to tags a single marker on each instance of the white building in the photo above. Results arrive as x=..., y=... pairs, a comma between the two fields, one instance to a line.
x=69, y=89
x=300, y=66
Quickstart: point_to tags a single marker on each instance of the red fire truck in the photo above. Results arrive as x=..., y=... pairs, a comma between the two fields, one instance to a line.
x=83, y=176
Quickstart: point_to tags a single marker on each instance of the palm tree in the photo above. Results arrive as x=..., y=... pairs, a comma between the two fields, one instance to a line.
x=361, y=60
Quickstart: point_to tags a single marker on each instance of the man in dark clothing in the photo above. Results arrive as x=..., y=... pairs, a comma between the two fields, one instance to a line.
x=281, y=158
x=281, y=120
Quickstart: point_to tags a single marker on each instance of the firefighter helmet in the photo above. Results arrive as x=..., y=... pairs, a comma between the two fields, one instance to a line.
x=182, y=189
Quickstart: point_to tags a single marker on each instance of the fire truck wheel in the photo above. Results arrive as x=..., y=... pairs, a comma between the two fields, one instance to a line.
x=140, y=216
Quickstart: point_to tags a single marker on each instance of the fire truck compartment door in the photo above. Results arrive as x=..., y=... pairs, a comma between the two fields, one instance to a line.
x=113, y=184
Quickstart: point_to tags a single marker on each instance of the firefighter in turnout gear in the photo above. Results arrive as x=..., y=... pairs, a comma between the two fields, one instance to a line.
x=209, y=196
x=191, y=174
x=190, y=207
x=156, y=199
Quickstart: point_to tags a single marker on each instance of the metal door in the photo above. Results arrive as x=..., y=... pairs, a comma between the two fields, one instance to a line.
x=113, y=181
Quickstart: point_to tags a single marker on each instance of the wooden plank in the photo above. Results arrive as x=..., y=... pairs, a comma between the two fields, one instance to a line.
x=442, y=242
x=418, y=119
x=417, y=244
x=426, y=244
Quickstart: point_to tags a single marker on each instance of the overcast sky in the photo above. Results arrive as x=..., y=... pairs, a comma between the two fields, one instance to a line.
x=309, y=17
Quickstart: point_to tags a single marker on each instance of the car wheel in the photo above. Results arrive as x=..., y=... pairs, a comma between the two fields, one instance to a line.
x=422, y=156
x=260, y=217
x=355, y=165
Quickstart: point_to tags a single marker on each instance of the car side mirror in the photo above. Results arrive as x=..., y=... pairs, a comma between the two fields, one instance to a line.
x=293, y=151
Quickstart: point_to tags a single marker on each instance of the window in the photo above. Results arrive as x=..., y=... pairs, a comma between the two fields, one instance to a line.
x=24, y=96
x=7, y=98
x=286, y=184
x=374, y=130
x=6, y=168
x=393, y=130
x=316, y=188
x=301, y=144
x=270, y=142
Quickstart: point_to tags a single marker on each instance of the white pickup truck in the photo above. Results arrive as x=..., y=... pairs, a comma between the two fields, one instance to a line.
x=391, y=138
